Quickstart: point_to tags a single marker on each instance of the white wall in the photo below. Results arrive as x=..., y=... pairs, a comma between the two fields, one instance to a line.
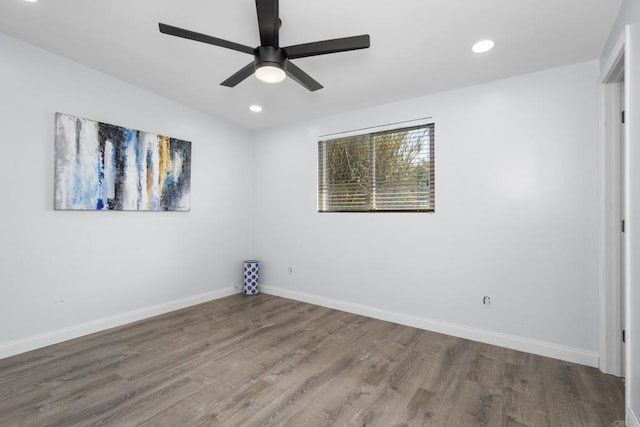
x=630, y=15
x=516, y=206
x=516, y=218
x=65, y=273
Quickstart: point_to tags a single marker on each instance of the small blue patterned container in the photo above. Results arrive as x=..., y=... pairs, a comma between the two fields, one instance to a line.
x=251, y=276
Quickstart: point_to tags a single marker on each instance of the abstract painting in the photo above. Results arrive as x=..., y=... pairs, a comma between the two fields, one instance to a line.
x=99, y=166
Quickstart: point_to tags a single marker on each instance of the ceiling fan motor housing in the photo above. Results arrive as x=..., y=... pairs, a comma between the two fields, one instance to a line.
x=270, y=56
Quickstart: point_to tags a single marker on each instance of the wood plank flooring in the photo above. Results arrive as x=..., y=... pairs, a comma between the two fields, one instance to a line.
x=268, y=361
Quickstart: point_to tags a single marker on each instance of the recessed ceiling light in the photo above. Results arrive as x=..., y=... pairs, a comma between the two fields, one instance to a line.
x=31, y=1
x=255, y=108
x=483, y=46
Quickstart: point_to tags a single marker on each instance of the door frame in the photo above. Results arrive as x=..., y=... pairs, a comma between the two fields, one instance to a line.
x=611, y=275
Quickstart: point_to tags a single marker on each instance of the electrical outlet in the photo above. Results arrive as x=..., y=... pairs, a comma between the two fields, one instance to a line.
x=486, y=301
x=290, y=270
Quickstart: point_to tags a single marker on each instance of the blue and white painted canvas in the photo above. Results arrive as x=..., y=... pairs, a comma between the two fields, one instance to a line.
x=99, y=166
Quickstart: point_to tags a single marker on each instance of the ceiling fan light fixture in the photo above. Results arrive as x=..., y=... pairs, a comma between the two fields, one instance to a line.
x=270, y=73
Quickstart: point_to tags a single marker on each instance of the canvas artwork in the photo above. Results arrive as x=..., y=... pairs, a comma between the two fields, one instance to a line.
x=99, y=166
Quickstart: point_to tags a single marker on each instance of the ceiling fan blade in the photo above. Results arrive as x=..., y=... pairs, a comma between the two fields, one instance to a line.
x=268, y=22
x=240, y=75
x=192, y=35
x=301, y=77
x=328, y=46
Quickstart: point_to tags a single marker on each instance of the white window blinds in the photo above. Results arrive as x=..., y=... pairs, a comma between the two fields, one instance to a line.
x=390, y=171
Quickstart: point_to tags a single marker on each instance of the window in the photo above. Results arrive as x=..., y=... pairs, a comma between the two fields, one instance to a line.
x=390, y=171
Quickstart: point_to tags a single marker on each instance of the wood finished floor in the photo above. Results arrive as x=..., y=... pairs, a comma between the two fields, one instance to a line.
x=265, y=360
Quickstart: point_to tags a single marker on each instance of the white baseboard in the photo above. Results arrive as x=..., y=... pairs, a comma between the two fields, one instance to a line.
x=632, y=419
x=542, y=348
x=12, y=348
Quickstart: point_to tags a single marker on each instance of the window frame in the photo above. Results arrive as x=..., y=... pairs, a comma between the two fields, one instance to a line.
x=371, y=199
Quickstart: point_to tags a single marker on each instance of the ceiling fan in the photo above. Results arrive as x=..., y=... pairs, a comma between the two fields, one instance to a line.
x=271, y=62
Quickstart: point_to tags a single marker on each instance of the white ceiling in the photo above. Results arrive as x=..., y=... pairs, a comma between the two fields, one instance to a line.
x=418, y=47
